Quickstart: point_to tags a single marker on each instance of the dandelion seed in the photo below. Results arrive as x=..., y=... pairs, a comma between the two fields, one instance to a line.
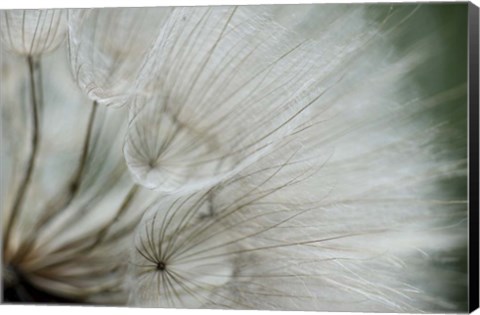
x=227, y=87
x=33, y=32
x=107, y=48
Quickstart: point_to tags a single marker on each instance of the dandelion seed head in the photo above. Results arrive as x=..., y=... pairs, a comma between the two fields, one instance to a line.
x=282, y=241
x=281, y=158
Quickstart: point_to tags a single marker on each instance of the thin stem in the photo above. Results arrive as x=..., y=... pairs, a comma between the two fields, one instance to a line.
x=89, y=242
x=77, y=178
x=120, y=212
x=25, y=183
x=56, y=206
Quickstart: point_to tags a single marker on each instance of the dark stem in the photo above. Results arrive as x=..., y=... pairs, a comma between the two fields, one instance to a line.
x=25, y=183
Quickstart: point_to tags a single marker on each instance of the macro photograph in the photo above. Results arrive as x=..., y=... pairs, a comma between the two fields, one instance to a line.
x=302, y=157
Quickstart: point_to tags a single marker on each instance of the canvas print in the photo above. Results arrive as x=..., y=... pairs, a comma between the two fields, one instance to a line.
x=269, y=157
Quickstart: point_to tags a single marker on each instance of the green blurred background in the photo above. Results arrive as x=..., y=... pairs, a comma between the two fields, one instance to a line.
x=446, y=69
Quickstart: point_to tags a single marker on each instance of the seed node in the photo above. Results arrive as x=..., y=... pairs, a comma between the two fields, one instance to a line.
x=161, y=266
